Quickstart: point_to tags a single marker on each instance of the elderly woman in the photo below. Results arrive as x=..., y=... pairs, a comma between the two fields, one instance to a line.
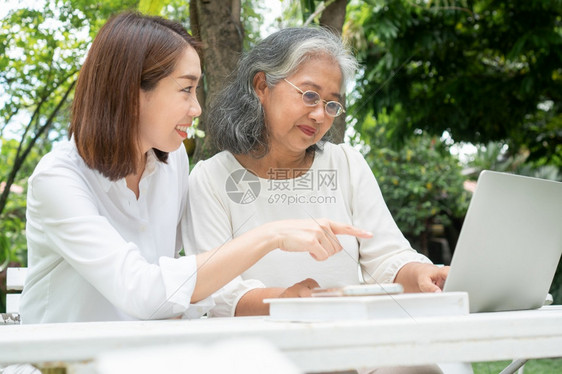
x=271, y=123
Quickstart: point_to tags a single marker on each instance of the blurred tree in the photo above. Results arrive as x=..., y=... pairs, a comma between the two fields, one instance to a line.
x=421, y=183
x=483, y=70
x=495, y=156
x=12, y=225
x=217, y=24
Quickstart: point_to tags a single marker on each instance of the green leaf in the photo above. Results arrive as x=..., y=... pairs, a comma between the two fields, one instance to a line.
x=152, y=7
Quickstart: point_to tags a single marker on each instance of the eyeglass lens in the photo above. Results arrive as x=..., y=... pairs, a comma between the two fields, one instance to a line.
x=311, y=98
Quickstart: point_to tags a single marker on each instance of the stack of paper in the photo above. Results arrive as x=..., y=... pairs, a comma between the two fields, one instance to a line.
x=409, y=305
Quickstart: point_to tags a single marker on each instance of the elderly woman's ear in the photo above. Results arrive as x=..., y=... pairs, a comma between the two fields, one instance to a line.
x=260, y=85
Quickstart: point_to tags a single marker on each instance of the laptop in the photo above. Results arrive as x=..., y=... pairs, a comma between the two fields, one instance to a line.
x=510, y=243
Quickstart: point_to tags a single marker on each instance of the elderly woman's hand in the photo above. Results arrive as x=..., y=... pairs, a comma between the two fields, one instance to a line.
x=300, y=289
x=420, y=277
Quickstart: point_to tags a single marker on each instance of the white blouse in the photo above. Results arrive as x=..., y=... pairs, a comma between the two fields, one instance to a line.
x=96, y=253
x=225, y=201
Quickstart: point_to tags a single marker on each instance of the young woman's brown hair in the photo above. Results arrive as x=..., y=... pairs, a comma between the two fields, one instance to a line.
x=131, y=52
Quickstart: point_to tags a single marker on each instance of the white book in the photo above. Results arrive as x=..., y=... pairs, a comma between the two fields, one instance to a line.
x=408, y=305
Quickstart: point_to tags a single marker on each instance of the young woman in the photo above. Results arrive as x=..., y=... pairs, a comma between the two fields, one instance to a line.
x=104, y=208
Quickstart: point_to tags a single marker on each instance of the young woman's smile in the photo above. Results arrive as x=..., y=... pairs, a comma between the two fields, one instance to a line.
x=182, y=130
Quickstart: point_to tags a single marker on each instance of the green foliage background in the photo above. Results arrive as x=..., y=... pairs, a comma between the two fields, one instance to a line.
x=483, y=70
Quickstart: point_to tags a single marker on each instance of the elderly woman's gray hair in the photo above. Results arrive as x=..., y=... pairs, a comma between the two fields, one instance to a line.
x=235, y=120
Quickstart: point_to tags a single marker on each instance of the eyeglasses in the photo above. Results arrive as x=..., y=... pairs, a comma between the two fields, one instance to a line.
x=312, y=98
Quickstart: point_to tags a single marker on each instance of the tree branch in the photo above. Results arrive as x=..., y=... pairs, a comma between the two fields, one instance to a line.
x=22, y=155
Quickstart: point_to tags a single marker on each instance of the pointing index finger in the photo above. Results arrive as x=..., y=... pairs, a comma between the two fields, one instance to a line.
x=344, y=229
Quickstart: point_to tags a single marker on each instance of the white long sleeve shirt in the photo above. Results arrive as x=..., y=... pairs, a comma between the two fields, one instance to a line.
x=96, y=253
x=225, y=201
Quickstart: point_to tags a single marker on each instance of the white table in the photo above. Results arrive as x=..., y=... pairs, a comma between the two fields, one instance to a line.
x=316, y=346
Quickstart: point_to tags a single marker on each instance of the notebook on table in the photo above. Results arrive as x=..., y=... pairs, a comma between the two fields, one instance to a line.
x=510, y=243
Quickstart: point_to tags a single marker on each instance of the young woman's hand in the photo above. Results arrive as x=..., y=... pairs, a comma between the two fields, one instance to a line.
x=318, y=237
x=220, y=265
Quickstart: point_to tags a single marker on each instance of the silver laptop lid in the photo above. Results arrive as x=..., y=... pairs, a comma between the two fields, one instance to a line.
x=510, y=243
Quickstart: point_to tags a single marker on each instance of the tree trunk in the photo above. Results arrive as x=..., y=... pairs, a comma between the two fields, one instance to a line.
x=333, y=17
x=217, y=24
